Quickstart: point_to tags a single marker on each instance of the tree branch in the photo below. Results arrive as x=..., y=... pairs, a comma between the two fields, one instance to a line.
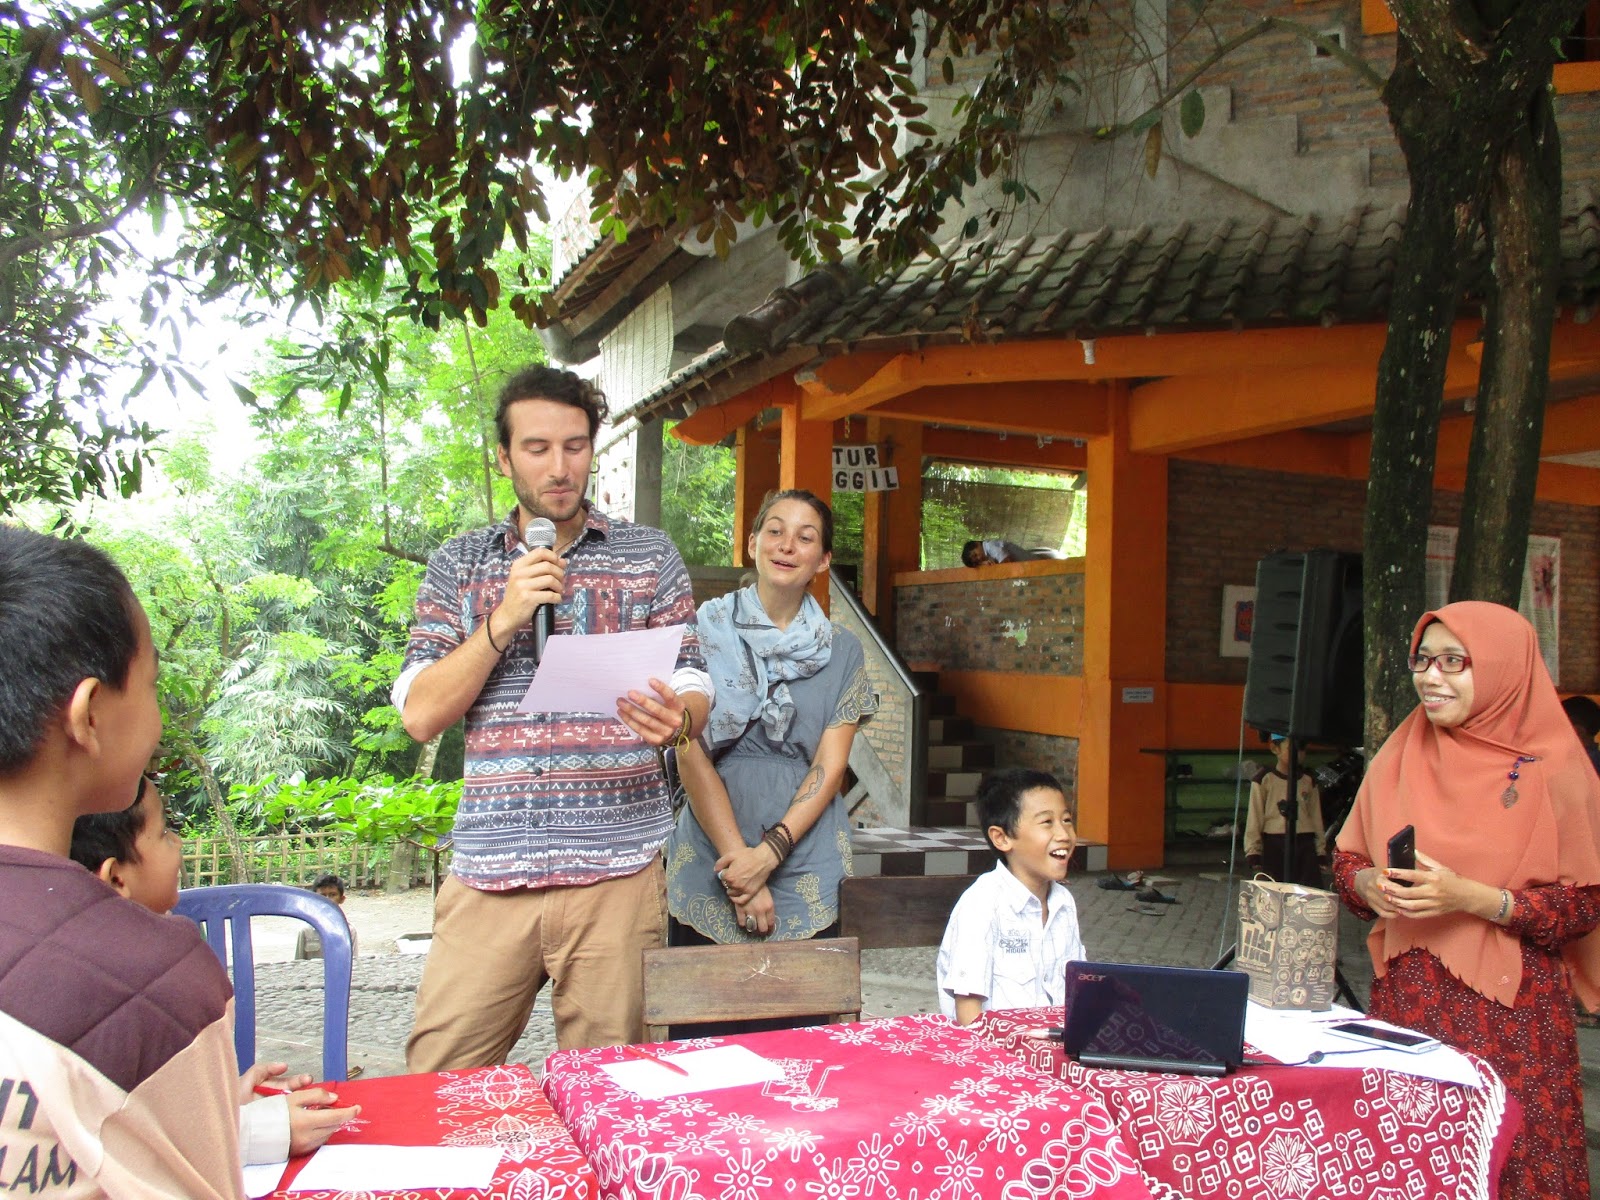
x=389, y=547
x=1330, y=46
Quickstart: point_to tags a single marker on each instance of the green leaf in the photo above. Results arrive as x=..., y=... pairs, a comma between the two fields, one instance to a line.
x=1192, y=113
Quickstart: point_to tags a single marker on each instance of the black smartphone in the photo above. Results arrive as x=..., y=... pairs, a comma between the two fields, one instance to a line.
x=1403, y=850
x=1406, y=1040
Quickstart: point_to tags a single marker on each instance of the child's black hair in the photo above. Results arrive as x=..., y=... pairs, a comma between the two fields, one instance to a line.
x=328, y=881
x=1584, y=711
x=66, y=614
x=99, y=836
x=1000, y=797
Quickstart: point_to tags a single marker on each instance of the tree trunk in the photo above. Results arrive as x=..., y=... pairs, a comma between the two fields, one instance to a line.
x=1444, y=158
x=402, y=867
x=1524, y=223
x=427, y=756
x=229, y=828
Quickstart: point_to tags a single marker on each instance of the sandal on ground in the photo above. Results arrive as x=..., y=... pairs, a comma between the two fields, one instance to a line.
x=1115, y=884
x=1152, y=895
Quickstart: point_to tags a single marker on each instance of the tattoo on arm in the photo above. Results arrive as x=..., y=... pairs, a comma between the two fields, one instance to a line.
x=810, y=785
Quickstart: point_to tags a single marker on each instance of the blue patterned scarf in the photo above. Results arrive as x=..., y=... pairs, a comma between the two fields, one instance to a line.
x=751, y=662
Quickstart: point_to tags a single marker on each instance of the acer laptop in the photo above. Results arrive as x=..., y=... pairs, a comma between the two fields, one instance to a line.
x=1141, y=1018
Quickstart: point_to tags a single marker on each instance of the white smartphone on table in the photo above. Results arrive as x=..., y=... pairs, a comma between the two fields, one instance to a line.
x=1384, y=1038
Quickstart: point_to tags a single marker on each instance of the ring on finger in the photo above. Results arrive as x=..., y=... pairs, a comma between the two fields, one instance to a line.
x=750, y=924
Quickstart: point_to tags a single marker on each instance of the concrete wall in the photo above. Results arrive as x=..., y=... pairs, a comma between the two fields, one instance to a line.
x=1033, y=624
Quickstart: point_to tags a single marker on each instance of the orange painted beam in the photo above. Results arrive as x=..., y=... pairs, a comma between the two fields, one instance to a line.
x=1129, y=356
x=843, y=374
x=1047, y=704
x=1046, y=408
x=805, y=460
x=1182, y=412
x=1122, y=793
x=708, y=426
x=756, y=454
x=892, y=521
x=1572, y=426
x=1016, y=570
x=963, y=446
x=1301, y=451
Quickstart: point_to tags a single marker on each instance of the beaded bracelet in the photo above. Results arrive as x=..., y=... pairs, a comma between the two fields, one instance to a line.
x=1505, y=906
x=488, y=632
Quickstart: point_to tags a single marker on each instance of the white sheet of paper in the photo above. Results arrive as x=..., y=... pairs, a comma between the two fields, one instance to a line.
x=349, y=1168
x=588, y=674
x=1292, y=1036
x=709, y=1071
x=262, y=1179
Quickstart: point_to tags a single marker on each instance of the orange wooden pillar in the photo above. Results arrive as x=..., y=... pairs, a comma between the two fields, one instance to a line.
x=1121, y=792
x=892, y=521
x=805, y=460
x=756, y=453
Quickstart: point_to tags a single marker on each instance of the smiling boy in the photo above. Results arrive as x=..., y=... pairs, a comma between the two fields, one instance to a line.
x=1014, y=930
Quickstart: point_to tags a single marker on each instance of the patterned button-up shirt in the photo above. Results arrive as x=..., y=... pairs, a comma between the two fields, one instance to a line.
x=555, y=799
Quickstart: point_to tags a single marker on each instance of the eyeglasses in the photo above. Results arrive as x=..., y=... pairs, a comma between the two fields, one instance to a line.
x=1449, y=664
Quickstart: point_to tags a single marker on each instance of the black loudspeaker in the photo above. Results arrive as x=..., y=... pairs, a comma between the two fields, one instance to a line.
x=1305, y=675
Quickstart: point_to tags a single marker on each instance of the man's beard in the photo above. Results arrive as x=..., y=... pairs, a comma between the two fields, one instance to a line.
x=528, y=501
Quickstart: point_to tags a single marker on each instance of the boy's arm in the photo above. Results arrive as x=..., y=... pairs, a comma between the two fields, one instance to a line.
x=968, y=1009
x=965, y=964
x=1252, y=822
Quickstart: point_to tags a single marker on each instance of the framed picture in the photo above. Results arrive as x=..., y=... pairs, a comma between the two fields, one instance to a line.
x=1238, y=619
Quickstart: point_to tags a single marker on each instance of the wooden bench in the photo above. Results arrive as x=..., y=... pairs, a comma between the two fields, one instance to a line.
x=881, y=911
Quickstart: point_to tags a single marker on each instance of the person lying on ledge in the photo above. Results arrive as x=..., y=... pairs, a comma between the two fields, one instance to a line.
x=992, y=551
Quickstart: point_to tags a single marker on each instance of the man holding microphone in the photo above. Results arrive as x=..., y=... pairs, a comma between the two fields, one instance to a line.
x=557, y=870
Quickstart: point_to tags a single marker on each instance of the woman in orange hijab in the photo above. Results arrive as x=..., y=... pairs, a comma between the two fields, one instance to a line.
x=1483, y=944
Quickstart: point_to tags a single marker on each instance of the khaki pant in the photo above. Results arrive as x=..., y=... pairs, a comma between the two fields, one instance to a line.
x=493, y=951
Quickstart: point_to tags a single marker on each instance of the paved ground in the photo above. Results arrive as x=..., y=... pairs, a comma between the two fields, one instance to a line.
x=1193, y=932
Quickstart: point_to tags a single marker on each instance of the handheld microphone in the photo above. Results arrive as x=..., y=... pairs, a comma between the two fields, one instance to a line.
x=540, y=532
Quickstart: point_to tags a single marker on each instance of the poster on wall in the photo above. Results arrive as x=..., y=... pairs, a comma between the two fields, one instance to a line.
x=1238, y=619
x=1541, y=587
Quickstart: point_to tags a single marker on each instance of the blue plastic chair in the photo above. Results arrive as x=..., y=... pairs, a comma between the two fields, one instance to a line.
x=228, y=908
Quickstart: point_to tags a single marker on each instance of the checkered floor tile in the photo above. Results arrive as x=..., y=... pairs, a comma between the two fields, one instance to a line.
x=947, y=850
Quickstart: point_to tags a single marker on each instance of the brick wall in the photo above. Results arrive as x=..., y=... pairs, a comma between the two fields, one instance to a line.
x=1222, y=520
x=1042, y=752
x=1032, y=624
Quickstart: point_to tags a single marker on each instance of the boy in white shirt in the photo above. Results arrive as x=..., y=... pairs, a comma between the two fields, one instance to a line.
x=1013, y=931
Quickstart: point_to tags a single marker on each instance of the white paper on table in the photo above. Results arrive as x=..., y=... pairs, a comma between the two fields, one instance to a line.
x=1292, y=1036
x=709, y=1071
x=261, y=1179
x=589, y=673
x=352, y=1168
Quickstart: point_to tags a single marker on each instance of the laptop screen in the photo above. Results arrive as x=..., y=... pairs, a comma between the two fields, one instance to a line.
x=1155, y=1018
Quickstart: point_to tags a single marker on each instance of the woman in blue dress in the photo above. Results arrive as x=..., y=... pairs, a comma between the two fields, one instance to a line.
x=760, y=849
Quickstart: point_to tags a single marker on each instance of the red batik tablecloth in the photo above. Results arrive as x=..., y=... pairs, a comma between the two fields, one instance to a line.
x=490, y=1106
x=911, y=1108
x=1290, y=1133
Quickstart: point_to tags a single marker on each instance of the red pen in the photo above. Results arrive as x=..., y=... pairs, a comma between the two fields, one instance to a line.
x=266, y=1091
x=651, y=1056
